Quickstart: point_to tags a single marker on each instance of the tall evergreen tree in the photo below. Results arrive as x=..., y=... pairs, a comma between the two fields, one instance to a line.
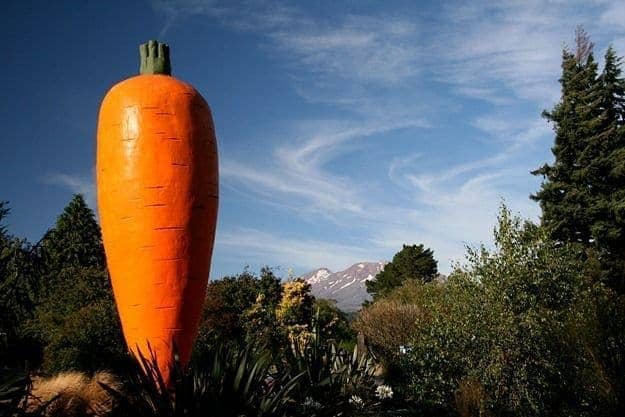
x=75, y=239
x=583, y=193
x=564, y=193
x=75, y=318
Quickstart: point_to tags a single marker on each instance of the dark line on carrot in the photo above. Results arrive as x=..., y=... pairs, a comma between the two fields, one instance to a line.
x=164, y=307
x=152, y=187
x=155, y=205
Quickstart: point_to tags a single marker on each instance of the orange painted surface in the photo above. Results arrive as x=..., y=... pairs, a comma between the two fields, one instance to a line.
x=157, y=181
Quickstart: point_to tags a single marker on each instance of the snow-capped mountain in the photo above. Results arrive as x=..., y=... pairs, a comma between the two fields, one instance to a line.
x=346, y=287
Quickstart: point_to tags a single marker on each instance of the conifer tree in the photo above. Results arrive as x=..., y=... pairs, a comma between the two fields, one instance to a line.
x=75, y=240
x=564, y=195
x=75, y=318
x=583, y=193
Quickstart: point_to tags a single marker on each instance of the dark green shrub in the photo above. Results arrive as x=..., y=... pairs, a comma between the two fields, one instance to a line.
x=508, y=325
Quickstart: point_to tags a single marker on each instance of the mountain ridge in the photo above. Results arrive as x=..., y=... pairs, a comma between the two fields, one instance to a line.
x=346, y=287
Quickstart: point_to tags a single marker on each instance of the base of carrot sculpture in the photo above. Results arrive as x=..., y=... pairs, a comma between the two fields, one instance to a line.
x=157, y=186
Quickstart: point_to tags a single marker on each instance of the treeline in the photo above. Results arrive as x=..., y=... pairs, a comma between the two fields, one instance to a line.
x=56, y=307
x=57, y=311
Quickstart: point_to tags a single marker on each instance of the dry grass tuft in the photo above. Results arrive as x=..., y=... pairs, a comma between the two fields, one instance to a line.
x=470, y=399
x=388, y=324
x=73, y=394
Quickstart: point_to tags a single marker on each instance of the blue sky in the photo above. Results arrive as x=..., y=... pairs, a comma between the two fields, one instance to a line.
x=345, y=129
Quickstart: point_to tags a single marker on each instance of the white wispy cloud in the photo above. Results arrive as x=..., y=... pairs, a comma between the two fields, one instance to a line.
x=614, y=14
x=298, y=169
x=503, y=52
x=395, y=71
x=304, y=254
x=326, y=55
x=357, y=48
x=499, y=51
x=76, y=183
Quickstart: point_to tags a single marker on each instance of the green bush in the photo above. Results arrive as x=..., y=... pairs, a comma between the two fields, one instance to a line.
x=505, y=332
x=78, y=323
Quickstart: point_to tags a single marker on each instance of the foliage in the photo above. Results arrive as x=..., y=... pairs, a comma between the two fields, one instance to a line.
x=333, y=323
x=246, y=309
x=334, y=381
x=14, y=389
x=74, y=241
x=411, y=263
x=75, y=317
x=78, y=323
x=583, y=190
x=240, y=309
x=388, y=326
x=504, y=328
x=18, y=289
x=295, y=306
x=226, y=382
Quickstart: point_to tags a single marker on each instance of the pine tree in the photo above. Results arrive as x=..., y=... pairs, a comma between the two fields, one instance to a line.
x=75, y=318
x=564, y=195
x=75, y=240
x=583, y=194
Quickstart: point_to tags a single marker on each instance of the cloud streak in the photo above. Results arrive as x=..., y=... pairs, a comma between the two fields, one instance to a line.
x=297, y=170
x=487, y=67
x=76, y=183
x=258, y=246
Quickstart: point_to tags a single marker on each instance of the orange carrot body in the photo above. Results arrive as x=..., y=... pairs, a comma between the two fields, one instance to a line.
x=157, y=181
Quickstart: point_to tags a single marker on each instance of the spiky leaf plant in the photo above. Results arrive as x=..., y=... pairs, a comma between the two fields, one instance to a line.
x=224, y=383
x=335, y=381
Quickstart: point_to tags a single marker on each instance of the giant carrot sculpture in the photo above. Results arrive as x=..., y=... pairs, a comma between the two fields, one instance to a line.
x=157, y=182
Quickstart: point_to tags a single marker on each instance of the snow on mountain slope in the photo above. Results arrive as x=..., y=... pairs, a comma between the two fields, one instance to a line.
x=347, y=287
